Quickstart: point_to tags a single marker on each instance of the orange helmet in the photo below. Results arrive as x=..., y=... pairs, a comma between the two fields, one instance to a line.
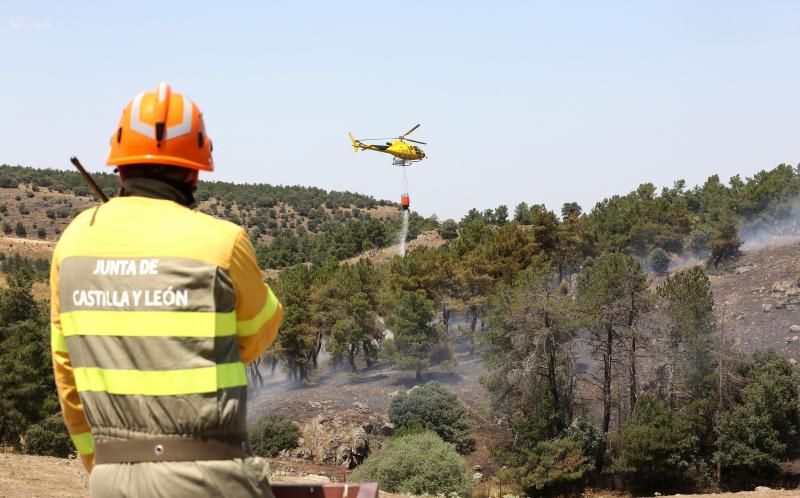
x=161, y=127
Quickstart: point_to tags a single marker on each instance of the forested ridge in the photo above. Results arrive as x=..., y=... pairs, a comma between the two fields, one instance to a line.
x=602, y=363
x=288, y=224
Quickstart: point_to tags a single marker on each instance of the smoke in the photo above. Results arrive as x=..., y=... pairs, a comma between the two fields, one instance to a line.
x=778, y=225
x=688, y=261
x=403, y=234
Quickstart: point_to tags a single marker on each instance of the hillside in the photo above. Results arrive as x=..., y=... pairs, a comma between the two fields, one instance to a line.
x=49, y=199
x=282, y=221
x=759, y=298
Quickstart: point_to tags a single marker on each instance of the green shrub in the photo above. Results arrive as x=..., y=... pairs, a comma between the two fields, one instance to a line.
x=273, y=434
x=699, y=242
x=49, y=437
x=757, y=434
x=417, y=464
x=659, y=261
x=448, y=230
x=433, y=407
x=656, y=449
x=553, y=467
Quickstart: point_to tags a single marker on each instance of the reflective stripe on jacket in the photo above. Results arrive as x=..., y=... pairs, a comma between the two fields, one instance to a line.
x=155, y=311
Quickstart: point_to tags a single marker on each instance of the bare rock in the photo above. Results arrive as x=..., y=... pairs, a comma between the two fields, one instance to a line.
x=344, y=457
x=304, y=454
x=781, y=286
x=315, y=404
x=792, y=361
x=361, y=444
x=328, y=457
x=795, y=329
x=766, y=308
x=477, y=477
x=361, y=407
x=368, y=427
x=742, y=269
x=387, y=429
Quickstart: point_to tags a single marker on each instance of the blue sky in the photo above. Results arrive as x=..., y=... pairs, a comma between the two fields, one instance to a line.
x=545, y=102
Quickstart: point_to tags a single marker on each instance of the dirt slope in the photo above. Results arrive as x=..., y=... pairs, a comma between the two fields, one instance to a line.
x=25, y=476
x=382, y=256
x=758, y=295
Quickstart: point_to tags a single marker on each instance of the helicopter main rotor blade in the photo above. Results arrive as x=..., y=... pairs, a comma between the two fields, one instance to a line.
x=415, y=141
x=409, y=131
x=384, y=138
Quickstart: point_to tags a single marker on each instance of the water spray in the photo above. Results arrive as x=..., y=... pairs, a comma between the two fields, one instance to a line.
x=404, y=234
x=405, y=202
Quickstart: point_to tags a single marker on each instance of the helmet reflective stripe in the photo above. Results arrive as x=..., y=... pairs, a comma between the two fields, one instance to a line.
x=185, y=126
x=162, y=92
x=174, y=131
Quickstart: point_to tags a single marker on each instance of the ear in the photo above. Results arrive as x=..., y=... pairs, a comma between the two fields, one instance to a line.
x=194, y=178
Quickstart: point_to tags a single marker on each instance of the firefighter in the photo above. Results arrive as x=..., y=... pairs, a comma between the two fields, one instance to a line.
x=156, y=310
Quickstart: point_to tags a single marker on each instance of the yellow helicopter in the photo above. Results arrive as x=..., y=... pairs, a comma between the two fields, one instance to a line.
x=399, y=147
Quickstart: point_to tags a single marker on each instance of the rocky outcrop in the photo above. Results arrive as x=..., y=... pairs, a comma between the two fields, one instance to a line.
x=333, y=440
x=786, y=294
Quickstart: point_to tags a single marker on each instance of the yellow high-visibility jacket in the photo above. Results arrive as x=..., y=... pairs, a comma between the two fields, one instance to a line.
x=156, y=309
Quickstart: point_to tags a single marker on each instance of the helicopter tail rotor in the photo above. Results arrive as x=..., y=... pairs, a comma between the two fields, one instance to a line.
x=355, y=142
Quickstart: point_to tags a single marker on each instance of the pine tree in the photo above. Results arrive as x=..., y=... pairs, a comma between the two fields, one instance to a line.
x=298, y=337
x=27, y=393
x=414, y=336
x=352, y=301
x=612, y=292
